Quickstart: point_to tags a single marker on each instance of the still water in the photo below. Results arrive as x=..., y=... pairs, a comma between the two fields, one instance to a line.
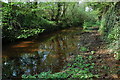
x=46, y=52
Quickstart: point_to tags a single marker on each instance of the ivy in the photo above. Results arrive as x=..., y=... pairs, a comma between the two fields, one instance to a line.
x=76, y=69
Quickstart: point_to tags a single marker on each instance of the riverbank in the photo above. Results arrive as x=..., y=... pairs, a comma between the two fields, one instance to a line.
x=43, y=51
x=64, y=47
x=93, y=61
x=106, y=66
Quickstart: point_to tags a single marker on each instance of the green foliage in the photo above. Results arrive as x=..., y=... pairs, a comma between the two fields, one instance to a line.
x=114, y=34
x=79, y=68
x=29, y=32
x=31, y=16
x=117, y=55
x=93, y=52
x=19, y=21
x=92, y=18
x=89, y=24
x=110, y=27
x=84, y=49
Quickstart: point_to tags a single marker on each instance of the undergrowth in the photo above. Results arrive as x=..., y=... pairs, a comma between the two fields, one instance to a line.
x=80, y=68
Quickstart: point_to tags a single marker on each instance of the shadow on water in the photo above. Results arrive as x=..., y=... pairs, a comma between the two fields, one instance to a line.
x=41, y=54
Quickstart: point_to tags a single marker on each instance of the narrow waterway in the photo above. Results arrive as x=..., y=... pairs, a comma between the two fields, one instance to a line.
x=47, y=52
x=51, y=52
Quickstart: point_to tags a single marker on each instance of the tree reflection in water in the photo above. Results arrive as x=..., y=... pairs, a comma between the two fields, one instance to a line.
x=44, y=56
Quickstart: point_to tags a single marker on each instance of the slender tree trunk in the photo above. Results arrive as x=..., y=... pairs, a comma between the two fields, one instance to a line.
x=64, y=10
x=58, y=12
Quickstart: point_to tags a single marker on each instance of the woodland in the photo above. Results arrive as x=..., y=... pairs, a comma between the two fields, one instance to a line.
x=61, y=40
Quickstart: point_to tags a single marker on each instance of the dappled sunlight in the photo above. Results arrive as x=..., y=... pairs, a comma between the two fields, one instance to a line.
x=23, y=44
x=103, y=51
x=27, y=42
x=60, y=40
x=49, y=55
x=115, y=76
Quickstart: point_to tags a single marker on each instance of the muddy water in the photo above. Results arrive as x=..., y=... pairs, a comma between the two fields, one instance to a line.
x=47, y=52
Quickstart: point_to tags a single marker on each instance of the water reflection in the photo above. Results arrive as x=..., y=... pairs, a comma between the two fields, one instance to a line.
x=33, y=57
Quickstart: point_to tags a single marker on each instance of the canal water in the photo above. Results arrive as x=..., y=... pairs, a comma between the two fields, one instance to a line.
x=45, y=53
